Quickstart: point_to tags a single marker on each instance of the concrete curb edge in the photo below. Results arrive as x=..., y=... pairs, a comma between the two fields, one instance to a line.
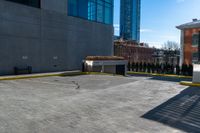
x=52, y=75
x=162, y=75
x=38, y=75
x=186, y=83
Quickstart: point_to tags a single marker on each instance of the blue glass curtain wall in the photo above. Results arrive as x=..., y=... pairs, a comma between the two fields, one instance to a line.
x=94, y=10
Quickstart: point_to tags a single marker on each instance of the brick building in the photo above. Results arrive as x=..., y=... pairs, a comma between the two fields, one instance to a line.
x=190, y=42
x=133, y=51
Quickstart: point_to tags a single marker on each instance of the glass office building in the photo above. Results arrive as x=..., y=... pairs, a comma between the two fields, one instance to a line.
x=130, y=19
x=94, y=10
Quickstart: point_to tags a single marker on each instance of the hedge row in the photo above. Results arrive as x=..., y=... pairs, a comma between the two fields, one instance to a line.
x=185, y=69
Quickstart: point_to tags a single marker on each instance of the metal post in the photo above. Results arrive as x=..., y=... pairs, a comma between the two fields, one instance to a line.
x=102, y=68
x=199, y=48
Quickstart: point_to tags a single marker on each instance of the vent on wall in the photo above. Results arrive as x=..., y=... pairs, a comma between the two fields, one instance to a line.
x=33, y=3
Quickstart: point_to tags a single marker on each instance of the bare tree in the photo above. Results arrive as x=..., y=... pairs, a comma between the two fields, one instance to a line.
x=171, y=45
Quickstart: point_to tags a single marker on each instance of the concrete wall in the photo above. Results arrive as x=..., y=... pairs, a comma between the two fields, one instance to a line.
x=54, y=5
x=48, y=40
x=110, y=69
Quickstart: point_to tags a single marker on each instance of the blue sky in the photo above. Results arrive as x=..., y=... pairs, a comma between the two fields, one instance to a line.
x=159, y=18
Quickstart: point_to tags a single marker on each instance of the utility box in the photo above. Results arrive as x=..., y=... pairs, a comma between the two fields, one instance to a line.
x=106, y=64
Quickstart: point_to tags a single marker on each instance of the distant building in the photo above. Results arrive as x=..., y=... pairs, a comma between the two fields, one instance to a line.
x=171, y=57
x=133, y=51
x=130, y=19
x=190, y=42
x=116, y=37
x=53, y=35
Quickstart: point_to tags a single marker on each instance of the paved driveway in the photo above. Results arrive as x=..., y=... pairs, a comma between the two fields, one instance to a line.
x=95, y=104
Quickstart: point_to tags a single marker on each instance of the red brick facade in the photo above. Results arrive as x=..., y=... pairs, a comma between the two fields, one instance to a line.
x=134, y=52
x=188, y=49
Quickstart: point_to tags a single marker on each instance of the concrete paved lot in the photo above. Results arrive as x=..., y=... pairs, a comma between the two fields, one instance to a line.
x=96, y=104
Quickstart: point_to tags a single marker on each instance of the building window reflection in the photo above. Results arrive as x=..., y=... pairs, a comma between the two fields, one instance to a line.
x=94, y=10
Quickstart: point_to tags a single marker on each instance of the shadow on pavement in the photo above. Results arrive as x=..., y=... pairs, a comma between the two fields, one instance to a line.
x=171, y=79
x=140, y=75
x=181, y=112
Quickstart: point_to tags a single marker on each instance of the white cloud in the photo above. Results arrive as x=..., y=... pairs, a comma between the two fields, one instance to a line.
x=155, y=44
x=116, y=29
x=146, y=30
x=169, y=37
x=116, y=25
x=181, y=1
x=165, y=38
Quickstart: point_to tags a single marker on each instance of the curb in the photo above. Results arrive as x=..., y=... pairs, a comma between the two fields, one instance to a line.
x=62, y=74
x=162, y=75
x=190, y=84
x=139, y=73
x=172, y=75
x=39, y=75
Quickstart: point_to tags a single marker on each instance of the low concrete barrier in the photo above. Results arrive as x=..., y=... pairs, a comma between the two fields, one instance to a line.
x=196, y=73
x=106, y=66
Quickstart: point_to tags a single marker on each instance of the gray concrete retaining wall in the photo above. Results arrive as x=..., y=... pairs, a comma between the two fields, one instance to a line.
x=48, y=40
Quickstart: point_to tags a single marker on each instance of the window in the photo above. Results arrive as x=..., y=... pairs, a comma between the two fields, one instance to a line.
x=72, y=7
x=195, y=39
x=94, y=10
x=108, y=13
x=100, y=11
x=195, y=56
x=82, y=9
x=33, y=3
